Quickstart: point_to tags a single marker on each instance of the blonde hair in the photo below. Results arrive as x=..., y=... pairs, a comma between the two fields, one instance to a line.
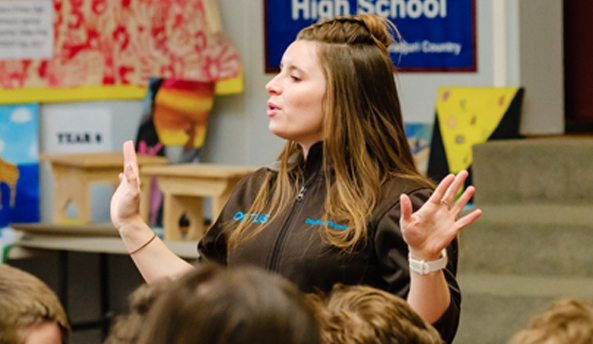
x=365, y=315
x=27, y=302
x=365, y=142
x=566, y=322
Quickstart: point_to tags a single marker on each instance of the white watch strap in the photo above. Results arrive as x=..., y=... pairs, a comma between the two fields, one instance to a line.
x=423, y=268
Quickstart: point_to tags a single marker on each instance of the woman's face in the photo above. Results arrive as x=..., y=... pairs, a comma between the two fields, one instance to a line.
x=295, y=107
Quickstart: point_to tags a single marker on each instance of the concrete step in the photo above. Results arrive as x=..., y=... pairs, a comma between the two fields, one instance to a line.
x=551, y=170
x=532, y=245
x=545, y=240
x=495, y=307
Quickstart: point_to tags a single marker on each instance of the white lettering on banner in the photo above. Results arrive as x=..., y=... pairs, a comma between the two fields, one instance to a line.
x=365, y=7
x=412, y=9
x=300, y=5
x=446, y=47
x=431, y=8
x=405, y=48
x=380, y=9
x=325, y=9
x=342, y=7
x=321, y=10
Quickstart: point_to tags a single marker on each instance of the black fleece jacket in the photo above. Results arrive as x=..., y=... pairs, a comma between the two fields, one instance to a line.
x=291, y=244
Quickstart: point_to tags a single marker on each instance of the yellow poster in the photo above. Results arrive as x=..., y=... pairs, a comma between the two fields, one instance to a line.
x=470, y=115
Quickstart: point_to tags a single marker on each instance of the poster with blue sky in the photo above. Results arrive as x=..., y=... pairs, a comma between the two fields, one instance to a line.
x=19, y=164
x=419, y=136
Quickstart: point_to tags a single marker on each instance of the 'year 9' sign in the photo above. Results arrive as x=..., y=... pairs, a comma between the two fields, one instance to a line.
x=438, y=35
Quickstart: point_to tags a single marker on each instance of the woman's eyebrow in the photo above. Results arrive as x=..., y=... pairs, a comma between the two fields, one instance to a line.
x=291, y=67
x=295, y=68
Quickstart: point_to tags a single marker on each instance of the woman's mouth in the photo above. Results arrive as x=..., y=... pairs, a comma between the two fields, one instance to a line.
x=272, y=109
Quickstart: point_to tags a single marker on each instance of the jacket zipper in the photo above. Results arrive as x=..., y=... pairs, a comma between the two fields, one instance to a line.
x=278, y=244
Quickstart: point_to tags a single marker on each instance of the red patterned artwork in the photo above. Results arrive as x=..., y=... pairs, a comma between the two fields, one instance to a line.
x=113, y=42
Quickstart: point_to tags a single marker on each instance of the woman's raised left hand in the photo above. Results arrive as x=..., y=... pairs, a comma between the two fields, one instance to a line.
x=435, y=224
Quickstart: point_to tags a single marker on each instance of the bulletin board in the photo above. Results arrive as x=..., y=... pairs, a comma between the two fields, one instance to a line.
x=108, y=49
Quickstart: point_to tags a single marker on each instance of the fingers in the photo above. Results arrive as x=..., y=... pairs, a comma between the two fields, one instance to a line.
x=469, y=218
x=406, y=208
x=453, y=189
x=131, y=176
x=463, y=199
x=439, y=192
x=130, y=158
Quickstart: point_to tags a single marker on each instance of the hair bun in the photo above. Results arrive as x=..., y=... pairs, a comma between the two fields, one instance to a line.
x=381, y=29
x=358, y=29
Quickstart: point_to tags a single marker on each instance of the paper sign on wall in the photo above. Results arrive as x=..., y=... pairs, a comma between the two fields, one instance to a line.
x=26, y=29
x=77, y=131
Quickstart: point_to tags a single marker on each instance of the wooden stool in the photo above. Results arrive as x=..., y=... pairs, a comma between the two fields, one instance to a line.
x=185, y=185
x=74, y=174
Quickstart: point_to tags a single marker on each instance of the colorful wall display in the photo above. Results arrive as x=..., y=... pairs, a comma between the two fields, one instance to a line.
x=173, y=124
x=437, y=35
x=19, y=164
x=469, y=115
x=419, y=136
x=104, y=44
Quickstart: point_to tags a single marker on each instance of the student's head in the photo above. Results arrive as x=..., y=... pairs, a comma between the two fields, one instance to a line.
x=128, y=327
x=365, y=315
x=30, y=312
x=230, y=305
x=566, y=322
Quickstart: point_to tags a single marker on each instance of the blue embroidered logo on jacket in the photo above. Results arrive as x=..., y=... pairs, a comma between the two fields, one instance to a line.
x=256, y=218
x=329, y=224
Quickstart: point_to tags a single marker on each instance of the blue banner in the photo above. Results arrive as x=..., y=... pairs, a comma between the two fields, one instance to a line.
x=438, y=35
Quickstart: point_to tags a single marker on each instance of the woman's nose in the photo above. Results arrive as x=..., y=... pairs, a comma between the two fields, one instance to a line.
x=272, y=86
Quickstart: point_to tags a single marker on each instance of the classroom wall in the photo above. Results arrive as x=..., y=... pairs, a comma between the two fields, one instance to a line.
x=243, y=116
x=541, y=65
x=533, y=59
x=237, y=127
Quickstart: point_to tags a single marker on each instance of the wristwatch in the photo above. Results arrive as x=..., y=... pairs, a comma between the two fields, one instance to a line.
x=423, y=268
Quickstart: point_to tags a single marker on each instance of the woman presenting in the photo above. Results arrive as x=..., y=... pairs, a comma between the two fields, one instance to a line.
x=344, y=203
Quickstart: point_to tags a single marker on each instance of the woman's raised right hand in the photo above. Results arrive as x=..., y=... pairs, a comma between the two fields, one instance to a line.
x=125, y=202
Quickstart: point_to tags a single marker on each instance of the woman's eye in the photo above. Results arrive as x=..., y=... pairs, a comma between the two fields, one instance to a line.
x=295, y=78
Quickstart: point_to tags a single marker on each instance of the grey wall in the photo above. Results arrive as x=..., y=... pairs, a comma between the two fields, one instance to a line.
x=541, y=61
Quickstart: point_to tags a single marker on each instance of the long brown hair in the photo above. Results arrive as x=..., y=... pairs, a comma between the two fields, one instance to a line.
x=364, y=143
x=219, y=305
